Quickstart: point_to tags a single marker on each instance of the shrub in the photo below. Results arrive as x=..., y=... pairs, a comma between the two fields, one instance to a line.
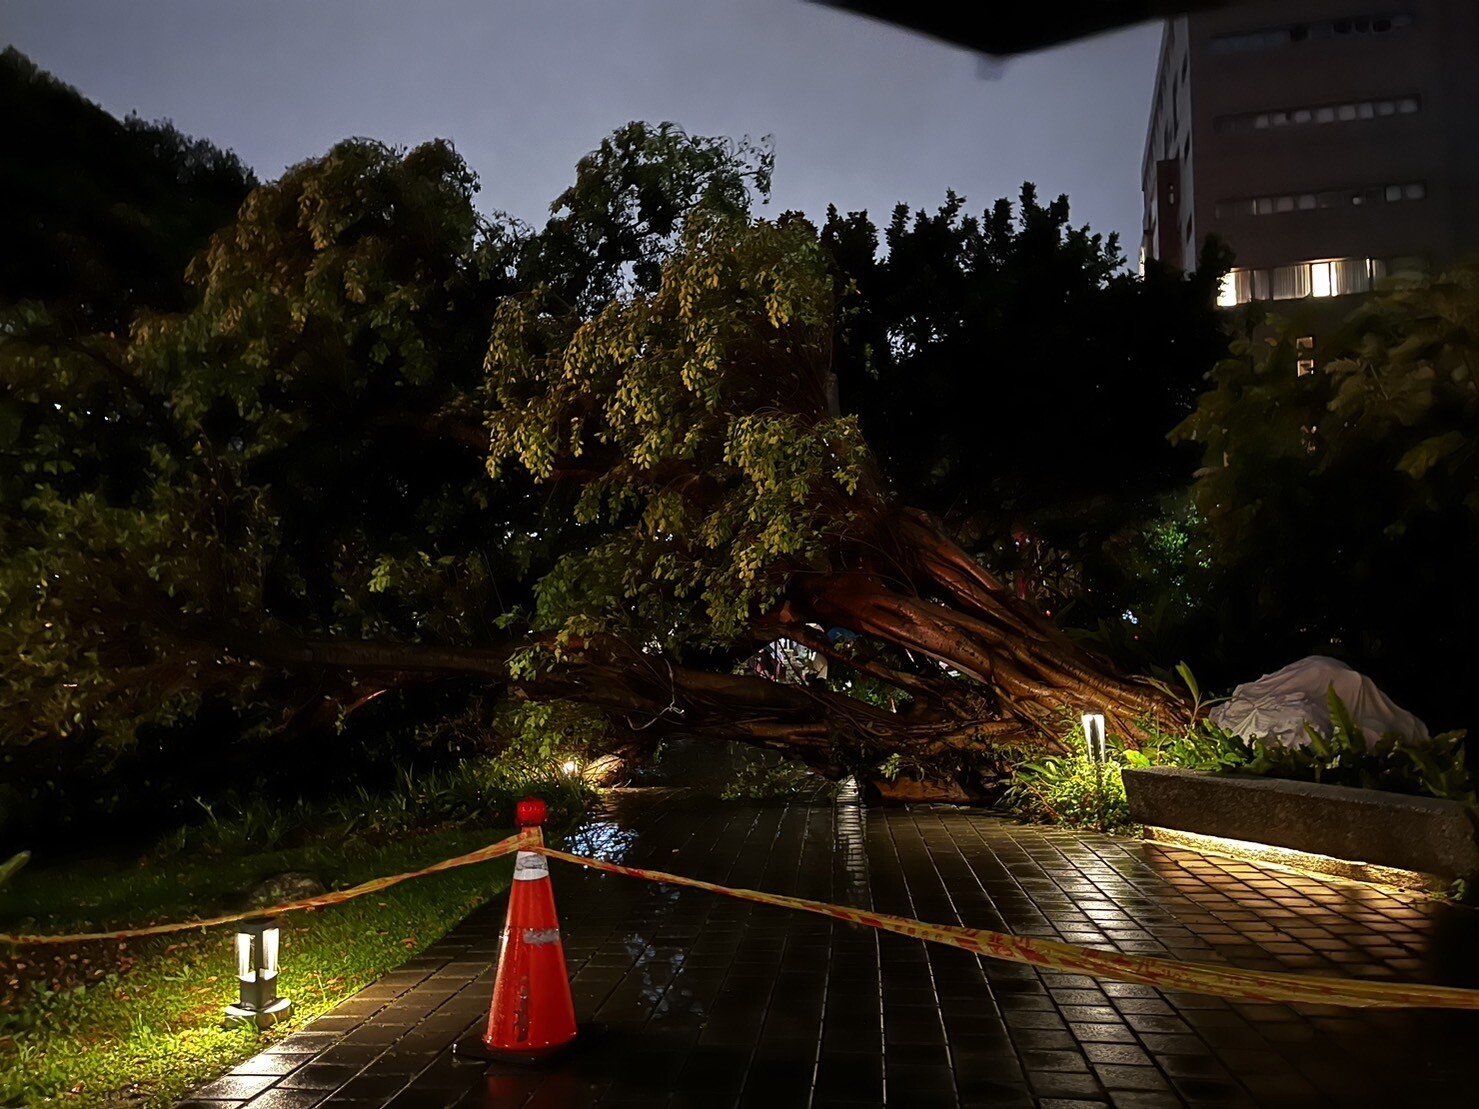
x=782, y=780
x=1072, y=789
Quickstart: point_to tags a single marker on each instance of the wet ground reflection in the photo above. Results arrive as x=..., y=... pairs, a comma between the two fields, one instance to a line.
x=691, y=999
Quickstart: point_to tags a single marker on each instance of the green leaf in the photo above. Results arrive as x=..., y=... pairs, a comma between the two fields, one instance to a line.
x=1430, y=452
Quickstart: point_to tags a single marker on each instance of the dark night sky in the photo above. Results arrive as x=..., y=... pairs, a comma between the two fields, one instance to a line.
x=863, y=114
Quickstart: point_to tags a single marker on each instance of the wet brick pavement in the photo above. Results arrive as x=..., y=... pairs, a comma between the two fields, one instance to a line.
x=698, y=1000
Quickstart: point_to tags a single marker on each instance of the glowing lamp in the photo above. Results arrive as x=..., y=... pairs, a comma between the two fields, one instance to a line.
x=257, y=946
x=1094, y=734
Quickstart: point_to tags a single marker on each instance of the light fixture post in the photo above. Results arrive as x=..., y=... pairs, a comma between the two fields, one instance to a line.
x=1094, y=736
x=1094, y=740
x=258, y=945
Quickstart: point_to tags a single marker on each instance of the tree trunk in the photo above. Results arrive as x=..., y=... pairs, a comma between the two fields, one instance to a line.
x=988, y=670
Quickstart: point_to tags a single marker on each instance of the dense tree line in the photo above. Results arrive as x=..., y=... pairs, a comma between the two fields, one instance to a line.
x=375, y=464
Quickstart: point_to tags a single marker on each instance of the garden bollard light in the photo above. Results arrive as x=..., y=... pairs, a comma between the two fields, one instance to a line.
x=257, y=947
x=1094, y=735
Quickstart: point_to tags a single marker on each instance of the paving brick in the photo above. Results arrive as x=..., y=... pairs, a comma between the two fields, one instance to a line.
x=279, y=1098
x=237, y=1087
x=705, y=1001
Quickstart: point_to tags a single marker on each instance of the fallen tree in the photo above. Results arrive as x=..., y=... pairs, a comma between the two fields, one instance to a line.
x=320, y=486
x=735, y=508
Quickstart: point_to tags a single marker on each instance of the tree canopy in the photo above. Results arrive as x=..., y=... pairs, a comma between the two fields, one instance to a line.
x=393, y=446
x=1342, y=504
x=102, y=216
x=966, y=318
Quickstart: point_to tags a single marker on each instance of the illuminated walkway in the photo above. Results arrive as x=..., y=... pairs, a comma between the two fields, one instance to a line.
x=697, y=1000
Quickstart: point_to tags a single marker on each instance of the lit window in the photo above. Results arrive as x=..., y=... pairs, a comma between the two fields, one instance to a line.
x=1264, y=205
x=1407, y=105
x=1305, y=345
x=1392, y=192
x=1414, y=191
x=1261, y=122
x=1385, y=108
x=1306, y=201
x=1280, y=119
x=1320, y=279
x=1346, y=112
x=1324, y=115
x=1227, y=291
x=1303, y=115
x=1365, y=110
x=1289, y=282
x=1358, y=198
x=1284, y=204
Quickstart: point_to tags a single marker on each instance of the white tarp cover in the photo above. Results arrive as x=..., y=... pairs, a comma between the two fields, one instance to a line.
x=1277, y=706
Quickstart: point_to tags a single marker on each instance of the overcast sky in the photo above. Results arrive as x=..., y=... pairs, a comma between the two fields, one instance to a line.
x=863, y=114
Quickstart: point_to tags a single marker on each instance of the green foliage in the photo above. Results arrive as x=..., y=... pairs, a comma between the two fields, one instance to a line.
x=1346, y=757
x=776, y=780
x=107, y=213
x=142, y=1022
x=892, y=767
x=1011, y=375
x=176, y=495
x=12, y=866
x=1070, y=789
x=300, y=456
x=1073, y=789
x=716, y=478
x=1301, y=563
x=1205, y=747
x=623, y=219
x=472, y=793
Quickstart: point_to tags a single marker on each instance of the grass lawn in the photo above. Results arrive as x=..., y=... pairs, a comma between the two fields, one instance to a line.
x=139, y=1022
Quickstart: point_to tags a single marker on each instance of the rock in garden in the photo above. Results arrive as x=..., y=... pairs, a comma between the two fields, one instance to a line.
x=289, y=886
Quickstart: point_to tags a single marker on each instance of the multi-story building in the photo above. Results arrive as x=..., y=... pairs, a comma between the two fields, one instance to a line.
x=1328, y=142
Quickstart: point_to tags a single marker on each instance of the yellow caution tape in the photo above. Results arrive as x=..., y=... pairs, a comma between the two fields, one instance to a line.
x=522, y=841
x=1168, y=974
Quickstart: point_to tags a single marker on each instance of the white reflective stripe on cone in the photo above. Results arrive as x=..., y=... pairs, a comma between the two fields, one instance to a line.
x=529, y=867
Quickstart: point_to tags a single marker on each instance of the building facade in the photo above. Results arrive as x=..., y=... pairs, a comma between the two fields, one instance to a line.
x=1328, y=142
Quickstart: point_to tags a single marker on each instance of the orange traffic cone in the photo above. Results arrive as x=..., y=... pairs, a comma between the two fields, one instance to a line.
x=533, y=1014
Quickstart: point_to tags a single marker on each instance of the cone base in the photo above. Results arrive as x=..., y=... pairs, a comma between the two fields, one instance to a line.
x=474, y=1049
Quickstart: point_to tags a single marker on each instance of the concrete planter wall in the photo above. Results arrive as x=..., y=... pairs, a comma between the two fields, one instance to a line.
x=1375, y=835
